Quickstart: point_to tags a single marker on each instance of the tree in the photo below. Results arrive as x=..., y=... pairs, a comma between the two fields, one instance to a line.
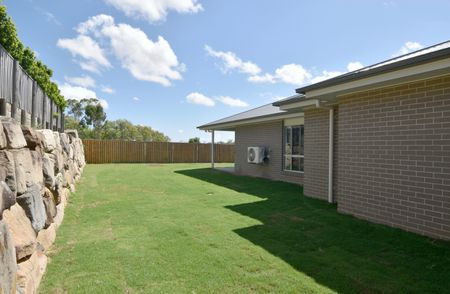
x=88, y=117
x=195, y=140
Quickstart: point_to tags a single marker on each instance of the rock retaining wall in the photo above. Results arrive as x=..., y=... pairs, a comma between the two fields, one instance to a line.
x=38, y=170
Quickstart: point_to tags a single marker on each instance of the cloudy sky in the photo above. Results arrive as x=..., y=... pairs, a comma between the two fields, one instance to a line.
x=176, y=64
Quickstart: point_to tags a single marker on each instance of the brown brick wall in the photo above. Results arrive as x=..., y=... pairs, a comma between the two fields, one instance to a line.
x=393, y=156
x=268, y=135
x=316, y=153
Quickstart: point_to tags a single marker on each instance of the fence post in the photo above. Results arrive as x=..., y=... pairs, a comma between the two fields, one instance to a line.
x=62, y=121
x=51, y=116
x=2, y=106
x=44, y=104
x=15, y=89
x=33, y=104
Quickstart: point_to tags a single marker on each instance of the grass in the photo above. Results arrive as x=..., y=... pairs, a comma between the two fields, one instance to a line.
x=187, y=229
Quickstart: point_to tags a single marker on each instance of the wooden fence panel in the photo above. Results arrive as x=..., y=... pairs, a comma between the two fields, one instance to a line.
x=121, y=151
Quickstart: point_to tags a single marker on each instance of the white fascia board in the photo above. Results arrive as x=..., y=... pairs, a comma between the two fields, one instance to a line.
x=301, y=104
x=232, y=125
x=387, y=79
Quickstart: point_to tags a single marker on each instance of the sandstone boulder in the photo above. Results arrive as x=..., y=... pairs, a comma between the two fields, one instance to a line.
x=3, y=142
x=48, y=140
x=48, y=171
x=28, y=169
x=47, y=237
x=7, y=197
x=23, y=236
x=33, y=138
x=13, y=133
x=50, y=207
x=57, y=140
x=8, y=266
x=59, y=214
x=30, y=272
x=32, y=203
x=57, y=160
x=8, y=170
x=65, y=144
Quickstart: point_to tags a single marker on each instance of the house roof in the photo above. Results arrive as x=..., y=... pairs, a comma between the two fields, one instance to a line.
x=432, y=53
x=265, y=111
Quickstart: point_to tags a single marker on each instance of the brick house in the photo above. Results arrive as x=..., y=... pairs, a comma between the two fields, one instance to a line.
x=375, y=141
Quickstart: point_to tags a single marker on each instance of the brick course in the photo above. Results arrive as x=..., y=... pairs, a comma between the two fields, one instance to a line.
x=393, y=156
x=269, y=135
x=316, y=153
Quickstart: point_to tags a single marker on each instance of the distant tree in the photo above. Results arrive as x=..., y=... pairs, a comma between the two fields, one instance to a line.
x=195, y=140
x=88, y=117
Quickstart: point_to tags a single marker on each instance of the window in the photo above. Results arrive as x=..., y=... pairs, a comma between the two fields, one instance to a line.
x=294, y=148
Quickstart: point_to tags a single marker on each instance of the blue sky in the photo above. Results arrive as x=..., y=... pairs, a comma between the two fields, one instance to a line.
x=174, y=65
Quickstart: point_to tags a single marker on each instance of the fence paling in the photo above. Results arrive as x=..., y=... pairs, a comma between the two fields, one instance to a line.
x=122, y=151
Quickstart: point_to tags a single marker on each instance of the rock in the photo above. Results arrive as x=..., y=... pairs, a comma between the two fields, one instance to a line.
x=48, y=171
x=65, y=144
x=8, y=266
x=59, y=214
x=24, y=238
x=47, y=237
x=32, y=203
x=58, y=160
x=28, y=169
x=7, y=197
x=3, y=142
x=33, y=139
x=50, y=207
x=8, y=170
x=48, y=140
x=30, y=272
x=57, y=140
x=13, y=133
x=72, y=134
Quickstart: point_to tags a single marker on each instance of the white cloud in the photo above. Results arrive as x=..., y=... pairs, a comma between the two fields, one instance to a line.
x=103, y=103
x=233, y=102
x=154, y=10
x=294, y=74
x=355, y=65
x=107, y=90
x=136, y=98
x=407, y=48
x=266, y=78
x=85, y=47
x=84, y=81
x=232, y=62
x=180, y=131
x=76, y=92
x=200, y=99
x=146, y=60
x=325, y=75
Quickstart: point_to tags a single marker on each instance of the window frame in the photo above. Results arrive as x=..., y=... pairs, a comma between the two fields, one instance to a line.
x=291, y=156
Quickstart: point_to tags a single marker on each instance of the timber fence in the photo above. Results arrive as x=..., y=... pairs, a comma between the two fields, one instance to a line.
x=121, y=151
x=23, y=99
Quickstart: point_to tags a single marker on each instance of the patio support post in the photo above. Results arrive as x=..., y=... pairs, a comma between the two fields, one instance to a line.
x=330, y=157
x=212, y=148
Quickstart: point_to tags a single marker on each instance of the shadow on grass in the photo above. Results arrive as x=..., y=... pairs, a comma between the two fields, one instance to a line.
x=338, y=251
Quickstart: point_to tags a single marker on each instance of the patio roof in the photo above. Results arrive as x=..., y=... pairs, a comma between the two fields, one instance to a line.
x=260, y=114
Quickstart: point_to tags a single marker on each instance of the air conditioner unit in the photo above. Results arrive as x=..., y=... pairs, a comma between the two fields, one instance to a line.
x=255, y=154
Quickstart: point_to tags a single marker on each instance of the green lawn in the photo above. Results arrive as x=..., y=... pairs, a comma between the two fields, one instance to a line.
x=183, y=228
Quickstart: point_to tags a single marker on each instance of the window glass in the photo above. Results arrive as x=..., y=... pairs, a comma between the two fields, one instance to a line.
x=287, y=163
x=288, y=145
x=293, y=148
x=296, y=140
